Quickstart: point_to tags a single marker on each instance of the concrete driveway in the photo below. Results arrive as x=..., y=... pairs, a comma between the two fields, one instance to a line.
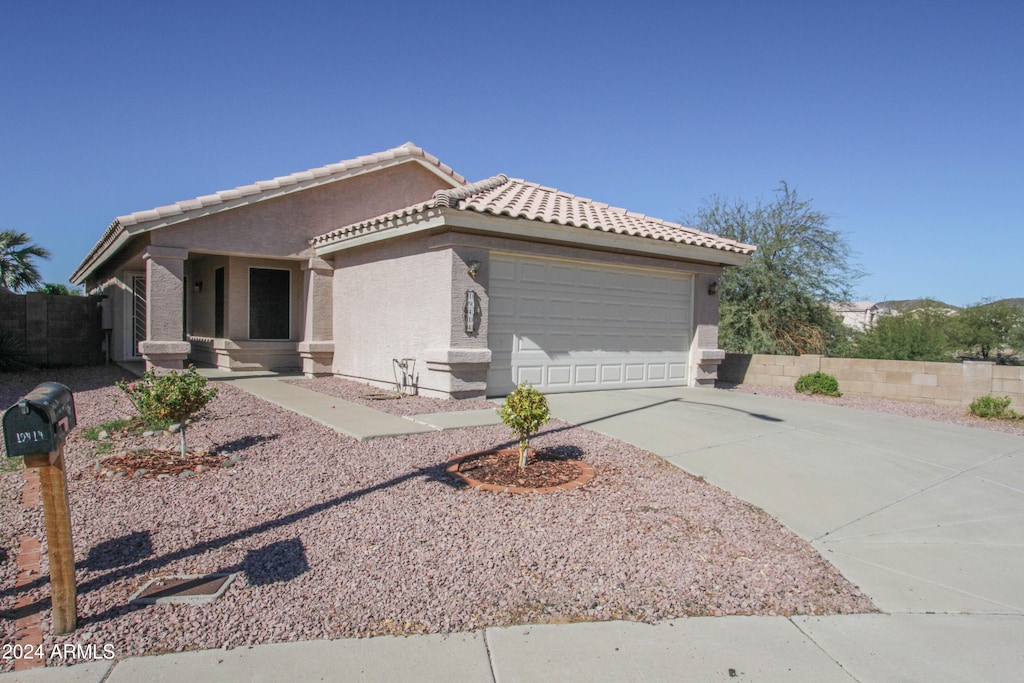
x=923, y=517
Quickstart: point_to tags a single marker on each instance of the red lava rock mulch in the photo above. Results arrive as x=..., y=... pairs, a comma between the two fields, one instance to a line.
x=160, y=461
x=545, y=471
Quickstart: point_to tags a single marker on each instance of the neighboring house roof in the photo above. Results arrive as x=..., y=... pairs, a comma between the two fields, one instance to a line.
x=515, y=198
x=853, y=306
x=161, y=216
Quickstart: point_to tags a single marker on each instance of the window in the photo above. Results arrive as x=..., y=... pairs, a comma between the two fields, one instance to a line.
x=269, y=303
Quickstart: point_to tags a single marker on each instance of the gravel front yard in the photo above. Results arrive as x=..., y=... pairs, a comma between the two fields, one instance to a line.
x=407, y=405
x=334, y=538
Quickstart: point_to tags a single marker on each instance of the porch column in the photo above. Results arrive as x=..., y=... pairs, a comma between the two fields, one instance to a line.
x=164, y=348
x=705, y=356
x=317, y=346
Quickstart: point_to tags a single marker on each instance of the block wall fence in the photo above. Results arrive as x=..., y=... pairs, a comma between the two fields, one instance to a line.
x=57, y=329
x=947, y=384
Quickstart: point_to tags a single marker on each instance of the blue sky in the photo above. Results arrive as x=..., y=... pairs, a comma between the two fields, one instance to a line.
x=902, y=120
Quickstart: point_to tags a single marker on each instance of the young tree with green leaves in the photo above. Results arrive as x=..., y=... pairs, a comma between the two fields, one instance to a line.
x=778, y=302
x=986, y=326
x=18, y=270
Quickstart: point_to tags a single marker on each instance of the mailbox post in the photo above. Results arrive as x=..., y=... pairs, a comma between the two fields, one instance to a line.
x=36, y=427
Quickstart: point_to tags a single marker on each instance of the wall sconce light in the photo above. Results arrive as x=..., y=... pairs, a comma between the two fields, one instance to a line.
x=198, y=286
x=473, y=267
x=713, y=288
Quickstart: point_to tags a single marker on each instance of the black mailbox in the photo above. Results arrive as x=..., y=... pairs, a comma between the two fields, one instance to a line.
x=40, y=421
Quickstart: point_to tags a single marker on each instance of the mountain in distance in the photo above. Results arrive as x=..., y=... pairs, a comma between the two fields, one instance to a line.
x=914, y=304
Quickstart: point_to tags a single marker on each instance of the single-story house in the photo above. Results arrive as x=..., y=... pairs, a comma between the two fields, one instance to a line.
x=343, y=269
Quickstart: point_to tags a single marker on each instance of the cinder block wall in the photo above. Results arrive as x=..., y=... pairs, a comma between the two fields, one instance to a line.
x=57, y=329
x=954, y=384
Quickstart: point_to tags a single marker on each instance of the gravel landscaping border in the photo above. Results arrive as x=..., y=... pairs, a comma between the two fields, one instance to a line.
x=331, y=538
x=924, y=411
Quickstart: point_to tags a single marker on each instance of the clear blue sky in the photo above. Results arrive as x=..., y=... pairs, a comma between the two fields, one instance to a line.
x=903, y=120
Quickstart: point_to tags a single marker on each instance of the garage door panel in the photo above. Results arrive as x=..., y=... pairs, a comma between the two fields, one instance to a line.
x=585, y=374
x=532, y=374
x=559, y=375
x=678, y=315
x=565, y=326
x=533, y=274
x=634, y=372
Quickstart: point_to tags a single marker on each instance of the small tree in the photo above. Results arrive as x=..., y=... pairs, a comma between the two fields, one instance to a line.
x=525, y=410
x=170, y=397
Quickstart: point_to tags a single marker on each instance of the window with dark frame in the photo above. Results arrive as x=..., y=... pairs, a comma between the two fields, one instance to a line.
x=269, y=303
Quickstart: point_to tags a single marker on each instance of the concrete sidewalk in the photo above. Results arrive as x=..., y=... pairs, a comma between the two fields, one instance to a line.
x=868, y=647
x=345, y=417
x=926, y=518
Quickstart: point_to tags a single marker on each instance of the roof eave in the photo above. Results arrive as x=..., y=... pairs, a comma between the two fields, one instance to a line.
x=172, y=214
x=430, y=218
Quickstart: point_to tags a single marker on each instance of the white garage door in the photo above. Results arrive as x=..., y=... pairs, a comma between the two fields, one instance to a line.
x=577, y=326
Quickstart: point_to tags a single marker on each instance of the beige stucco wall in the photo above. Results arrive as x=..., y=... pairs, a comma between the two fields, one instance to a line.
x=281, y=227
x=407, y=297
x=391, y=300
x=110, y=281
x=954, y=384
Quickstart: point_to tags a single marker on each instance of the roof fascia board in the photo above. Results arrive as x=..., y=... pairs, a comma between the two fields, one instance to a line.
x=518, y=228
x=541, y=231
x=86, y=269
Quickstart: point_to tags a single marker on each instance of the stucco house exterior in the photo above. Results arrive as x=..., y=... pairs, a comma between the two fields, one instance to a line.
x=344, y=268
x=857, y=315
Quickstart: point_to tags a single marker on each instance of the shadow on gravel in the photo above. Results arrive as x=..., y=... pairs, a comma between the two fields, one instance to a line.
x=289, y=555
x=245, y=442
x=275, y=563
x=118, y=552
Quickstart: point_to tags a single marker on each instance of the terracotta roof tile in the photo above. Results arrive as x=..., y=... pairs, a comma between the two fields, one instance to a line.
x=502, y=196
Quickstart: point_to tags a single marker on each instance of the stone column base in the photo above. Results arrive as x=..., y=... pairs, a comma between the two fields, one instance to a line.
x=164, y=356
x=705, y=371
x=317, y=357
x=459, y=373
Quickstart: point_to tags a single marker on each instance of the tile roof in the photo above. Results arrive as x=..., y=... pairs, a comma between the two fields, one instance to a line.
x=275, y=186
x=503, y=196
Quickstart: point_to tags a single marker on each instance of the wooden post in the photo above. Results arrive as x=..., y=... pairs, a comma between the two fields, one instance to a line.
x=59, y=547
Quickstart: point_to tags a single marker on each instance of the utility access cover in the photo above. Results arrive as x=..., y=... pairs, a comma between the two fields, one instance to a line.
x=185, y=589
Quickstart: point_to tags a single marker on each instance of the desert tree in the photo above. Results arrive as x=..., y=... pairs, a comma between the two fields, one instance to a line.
x=778, y=303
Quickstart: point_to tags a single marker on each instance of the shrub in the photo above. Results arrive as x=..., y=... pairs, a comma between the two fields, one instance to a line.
x=818, y=383
x=995, y=408
x=524, y=411
x=170, y=397
x=12, y=352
